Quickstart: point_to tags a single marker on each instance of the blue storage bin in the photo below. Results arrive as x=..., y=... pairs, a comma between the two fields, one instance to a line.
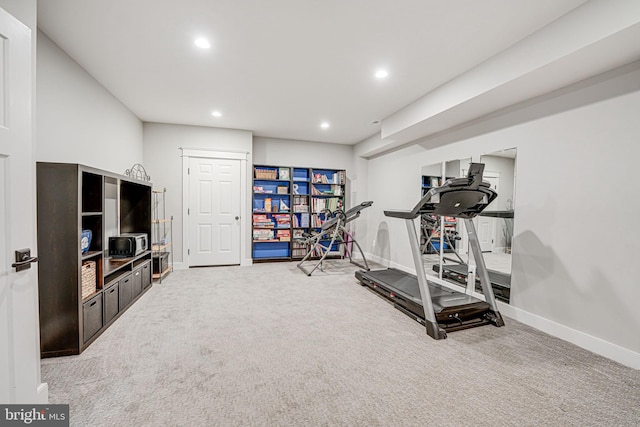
x=271, y=250
x=85, y=240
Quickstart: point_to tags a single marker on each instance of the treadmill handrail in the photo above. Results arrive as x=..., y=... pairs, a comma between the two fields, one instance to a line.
x=473, y=183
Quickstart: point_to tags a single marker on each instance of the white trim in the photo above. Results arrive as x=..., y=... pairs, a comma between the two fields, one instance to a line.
x=179, y=266
x=243, y=156
x=595, y=345
x=214, y=154
x=42, y=393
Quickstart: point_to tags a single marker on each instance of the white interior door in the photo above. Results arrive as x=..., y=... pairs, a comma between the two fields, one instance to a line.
x=19, y=325
x=214, y=211
x=487, y=225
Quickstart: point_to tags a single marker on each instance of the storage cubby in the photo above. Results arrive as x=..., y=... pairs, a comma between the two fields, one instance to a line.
x=82, y=293
x=93, y=223
x=91, y=193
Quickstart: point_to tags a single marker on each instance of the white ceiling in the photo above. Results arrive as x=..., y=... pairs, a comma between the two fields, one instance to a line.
x=281, y=67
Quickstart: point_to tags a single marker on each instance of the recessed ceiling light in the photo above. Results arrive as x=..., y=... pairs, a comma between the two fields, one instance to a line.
x=202, y=43
x=324, y=125
x=216, y=114
x=381, y=74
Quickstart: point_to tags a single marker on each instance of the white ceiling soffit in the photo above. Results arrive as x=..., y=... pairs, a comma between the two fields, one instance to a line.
x=279, y=68
x=598, y=36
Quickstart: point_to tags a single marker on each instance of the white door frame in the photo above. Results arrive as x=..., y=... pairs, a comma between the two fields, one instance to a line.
x=20, y=372
x=244, y=157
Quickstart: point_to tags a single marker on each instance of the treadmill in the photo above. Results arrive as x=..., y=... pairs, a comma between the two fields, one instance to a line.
x=438, y=308
x=500, y=281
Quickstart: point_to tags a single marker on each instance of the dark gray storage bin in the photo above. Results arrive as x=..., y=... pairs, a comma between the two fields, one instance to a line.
x=137, y=281
x=92, y=316
x=125, y=291
x=146, y=274
x=111, y=301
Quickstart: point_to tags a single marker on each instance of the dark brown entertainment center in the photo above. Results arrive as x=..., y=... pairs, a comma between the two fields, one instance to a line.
x=82, y=293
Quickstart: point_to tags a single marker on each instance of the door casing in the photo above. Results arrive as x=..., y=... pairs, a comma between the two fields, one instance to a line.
x=245, y=217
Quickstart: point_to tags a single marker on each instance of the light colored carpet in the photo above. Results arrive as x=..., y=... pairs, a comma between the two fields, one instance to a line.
x=268, y=346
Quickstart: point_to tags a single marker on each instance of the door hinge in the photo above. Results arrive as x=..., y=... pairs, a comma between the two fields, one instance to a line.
x=188, y=211
x=188, y=171
x=188, y=251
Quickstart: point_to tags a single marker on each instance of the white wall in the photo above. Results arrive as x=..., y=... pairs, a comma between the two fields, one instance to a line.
x=23, y=10
x=575, y=269
x=285, y=152
x=77, y=119
x=305, y=154
x=163, y=161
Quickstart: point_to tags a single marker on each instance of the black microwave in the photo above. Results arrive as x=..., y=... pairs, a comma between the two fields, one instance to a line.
x=127, y=245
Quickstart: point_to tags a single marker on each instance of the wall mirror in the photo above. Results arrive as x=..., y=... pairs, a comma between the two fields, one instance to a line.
x=430, y=239
x=495, y=224
x=444, y=241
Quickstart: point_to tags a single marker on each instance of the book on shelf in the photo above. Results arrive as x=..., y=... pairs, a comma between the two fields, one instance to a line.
x=283, y=174
x=334, y=178
x=330, y=203
x=282, y=220
x=304, y=220
x=267, y=204
x=284, y=207
x=282, y=189
x=262, y=221
x=300, y=204
x=283, y=235
x=262, y=234
x=334, y=190
x=259, y=189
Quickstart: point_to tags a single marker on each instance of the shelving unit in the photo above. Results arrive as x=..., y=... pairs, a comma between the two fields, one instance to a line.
x=161, y=236
x=301, y=220
x=271, y=213
x=327, y=194
x=288, y=202
x=82, y=292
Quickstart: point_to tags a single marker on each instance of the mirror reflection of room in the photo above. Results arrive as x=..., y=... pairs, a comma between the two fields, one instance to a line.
x=495, y=224
x=444, y=242
x=430, y=224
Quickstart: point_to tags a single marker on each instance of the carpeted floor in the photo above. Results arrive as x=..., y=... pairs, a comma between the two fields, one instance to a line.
x=268, y=346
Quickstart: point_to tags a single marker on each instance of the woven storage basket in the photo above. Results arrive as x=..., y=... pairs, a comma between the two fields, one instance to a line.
x=88, y=278
x=266, y=174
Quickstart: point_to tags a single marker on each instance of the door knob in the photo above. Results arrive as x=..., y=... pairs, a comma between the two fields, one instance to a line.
x=237, y=217
x=23, y=259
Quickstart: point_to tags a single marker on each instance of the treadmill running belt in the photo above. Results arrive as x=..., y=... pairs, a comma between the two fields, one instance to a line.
x=497, y=278
x=402, y=288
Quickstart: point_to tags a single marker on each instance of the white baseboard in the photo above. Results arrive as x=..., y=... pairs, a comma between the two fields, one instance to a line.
x=596, y=345
x=180, y=266
x=247, y=262
x=42, y=393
